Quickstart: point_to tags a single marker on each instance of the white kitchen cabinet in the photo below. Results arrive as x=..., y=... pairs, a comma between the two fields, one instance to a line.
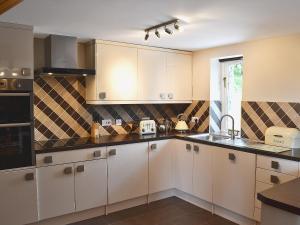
x=184, y=166
x=202, y=172
x=55, y=190
x=234, y=180
x=127, y=73
x=153, y=80
x=179, y=76
x=90, y=184
x=160, y=165
x=116, y=74
x=18, y=197
x=127, y=171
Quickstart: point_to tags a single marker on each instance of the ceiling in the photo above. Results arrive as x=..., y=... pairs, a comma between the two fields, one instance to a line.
x=206, y=23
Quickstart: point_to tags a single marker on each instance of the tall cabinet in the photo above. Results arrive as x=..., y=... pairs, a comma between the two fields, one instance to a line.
x=127, y=73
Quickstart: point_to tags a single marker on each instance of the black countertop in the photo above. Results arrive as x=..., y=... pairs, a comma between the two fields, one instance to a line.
x=110, y=140
x=284, y=196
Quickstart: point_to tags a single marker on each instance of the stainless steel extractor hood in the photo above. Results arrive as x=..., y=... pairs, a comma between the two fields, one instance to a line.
x=61, y=58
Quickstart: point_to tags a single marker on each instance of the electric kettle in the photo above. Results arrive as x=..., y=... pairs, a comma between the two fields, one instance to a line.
x=181, y=124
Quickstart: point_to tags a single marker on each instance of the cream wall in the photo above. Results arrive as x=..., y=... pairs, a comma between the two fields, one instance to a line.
x=271, y=69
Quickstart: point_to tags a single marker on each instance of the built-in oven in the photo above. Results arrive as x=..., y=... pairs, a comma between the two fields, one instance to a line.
x=16, y=123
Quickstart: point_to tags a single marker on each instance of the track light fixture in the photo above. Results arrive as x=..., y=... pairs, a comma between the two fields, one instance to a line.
x=164, y=25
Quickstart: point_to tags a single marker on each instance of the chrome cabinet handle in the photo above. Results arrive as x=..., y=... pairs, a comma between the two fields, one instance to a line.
x=68, y=170
x=29, y=176
x=80, y=168
x=275, y=165
x=274, y=179
x=188, y=147
x=153, y=146
x=48, y=159
x=5, y=125
x=112, y=152
x=196, y=148
x=97, y=154
x=102, y=95
x=231, y=157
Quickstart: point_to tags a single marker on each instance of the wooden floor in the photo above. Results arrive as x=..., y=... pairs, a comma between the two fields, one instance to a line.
x=170, y=211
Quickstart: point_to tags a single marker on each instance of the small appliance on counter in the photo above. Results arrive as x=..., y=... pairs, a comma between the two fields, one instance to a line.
x=147, y=126
x=166, y=126
x=283, y=137
x=181, y=124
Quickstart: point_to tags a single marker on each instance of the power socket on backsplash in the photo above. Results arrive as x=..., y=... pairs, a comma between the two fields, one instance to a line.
x=106, y=123
x=195, y=119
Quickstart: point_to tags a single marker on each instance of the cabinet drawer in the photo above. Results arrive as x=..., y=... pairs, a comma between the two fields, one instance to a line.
x=55, y=158
x=257, y=214
x=278, y=165
x=260, y=186
x=266, y=176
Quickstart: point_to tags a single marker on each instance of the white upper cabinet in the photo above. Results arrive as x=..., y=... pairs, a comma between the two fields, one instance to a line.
x=152, y=75
x=127, y=73
x=179, y=76
x=117, y=72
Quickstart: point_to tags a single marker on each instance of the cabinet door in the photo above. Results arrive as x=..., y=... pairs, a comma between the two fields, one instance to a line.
x=184, y=166
x=117, y=66
x=90, y=184
x=153, y=81
x=127, y=172
x=234, y=180
x=202, y=172
x=55, y=190
x=179, y=73
x=160, y=166
x=18, y=194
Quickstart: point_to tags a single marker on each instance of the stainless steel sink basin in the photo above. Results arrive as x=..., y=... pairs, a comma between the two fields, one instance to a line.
x=209, y=137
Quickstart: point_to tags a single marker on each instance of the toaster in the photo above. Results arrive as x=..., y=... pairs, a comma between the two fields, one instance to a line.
x=147, y=127
x=283, y=137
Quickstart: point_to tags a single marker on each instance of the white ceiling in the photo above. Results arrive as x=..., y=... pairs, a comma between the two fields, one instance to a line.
x=206, y=23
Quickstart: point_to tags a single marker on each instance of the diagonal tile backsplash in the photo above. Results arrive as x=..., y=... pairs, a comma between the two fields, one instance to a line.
x=258, y=116
x=60, y=111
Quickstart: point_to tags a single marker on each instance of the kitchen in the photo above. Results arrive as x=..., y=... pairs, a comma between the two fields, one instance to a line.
x=165, y=120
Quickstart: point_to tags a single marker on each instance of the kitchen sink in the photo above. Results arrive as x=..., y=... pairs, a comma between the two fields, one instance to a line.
x=209, y=137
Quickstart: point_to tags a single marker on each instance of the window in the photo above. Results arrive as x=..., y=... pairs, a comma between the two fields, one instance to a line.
x=231, y=90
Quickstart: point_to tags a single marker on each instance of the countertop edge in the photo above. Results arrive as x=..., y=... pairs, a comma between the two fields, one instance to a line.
x=171, y=136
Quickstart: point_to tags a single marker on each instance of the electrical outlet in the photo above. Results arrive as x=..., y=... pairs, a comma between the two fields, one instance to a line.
x=195, y=119
x=118, y=122
x=106, y=123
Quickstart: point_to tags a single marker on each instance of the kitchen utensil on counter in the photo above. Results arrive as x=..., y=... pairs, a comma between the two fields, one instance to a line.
x=95, y=132
x=283, y=137
x=147, y=127
x=181, y=124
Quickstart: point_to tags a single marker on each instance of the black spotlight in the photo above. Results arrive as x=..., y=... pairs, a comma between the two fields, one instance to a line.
x=146, y=36
x=176, y=26
x=157, y=34
x=168, y=31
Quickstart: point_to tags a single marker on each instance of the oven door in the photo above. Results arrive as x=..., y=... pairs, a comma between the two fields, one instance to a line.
x=16, y=145
x=15, y=107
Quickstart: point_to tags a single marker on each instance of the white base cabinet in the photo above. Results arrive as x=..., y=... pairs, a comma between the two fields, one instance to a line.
x=160, y=165
x=55, y=190
x=202, y=172
x=90, y=184
x=184, y=166
x=234, y=180
x=127, y=171
x=18, y=197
